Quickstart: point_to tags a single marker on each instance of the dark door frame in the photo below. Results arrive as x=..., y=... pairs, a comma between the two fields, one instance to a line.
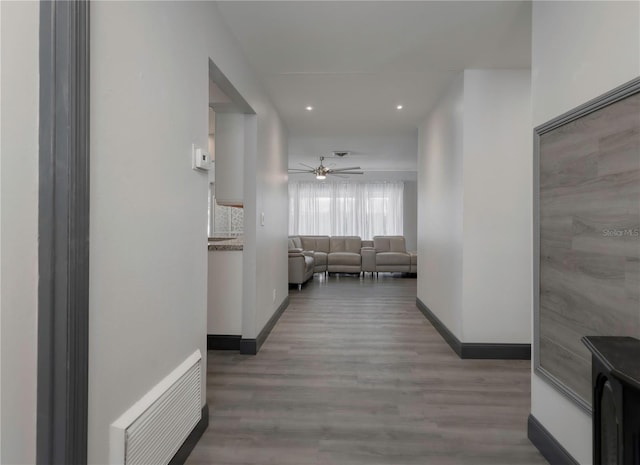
x=63, y=230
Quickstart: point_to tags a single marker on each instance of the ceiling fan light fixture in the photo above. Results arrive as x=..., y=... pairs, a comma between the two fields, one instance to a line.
x=321, y=172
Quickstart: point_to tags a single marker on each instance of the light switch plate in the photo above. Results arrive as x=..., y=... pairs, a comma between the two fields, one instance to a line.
x=200, y=159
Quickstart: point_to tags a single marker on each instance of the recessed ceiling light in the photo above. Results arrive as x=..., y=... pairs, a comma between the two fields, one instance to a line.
x=309, y=108
x=399, y=107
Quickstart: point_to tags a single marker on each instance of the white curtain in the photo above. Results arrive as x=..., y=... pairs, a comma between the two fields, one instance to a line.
x=346, y=209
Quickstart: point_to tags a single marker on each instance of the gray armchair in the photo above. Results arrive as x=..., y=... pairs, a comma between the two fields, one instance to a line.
x=389, y=253
x=301, y=263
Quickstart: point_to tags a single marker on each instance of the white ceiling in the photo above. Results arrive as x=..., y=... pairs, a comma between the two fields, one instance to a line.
x=354, y=61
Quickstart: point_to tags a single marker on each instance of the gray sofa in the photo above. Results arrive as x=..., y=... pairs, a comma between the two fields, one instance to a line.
x=347, y=254
x=335, y=254
x=389, y=253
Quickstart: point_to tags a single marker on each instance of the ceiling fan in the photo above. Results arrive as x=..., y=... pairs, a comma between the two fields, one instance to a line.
x=322, y=171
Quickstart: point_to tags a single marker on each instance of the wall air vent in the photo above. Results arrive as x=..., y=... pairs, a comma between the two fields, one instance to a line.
x=156, y=426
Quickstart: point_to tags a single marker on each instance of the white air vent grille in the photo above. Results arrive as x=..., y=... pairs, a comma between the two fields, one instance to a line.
x=153, y=430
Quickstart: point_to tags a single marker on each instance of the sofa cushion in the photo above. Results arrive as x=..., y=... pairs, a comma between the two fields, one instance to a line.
x=294, y=242
x=351, y=244
x=389, y=244
x=320, y=258
x=344, y=258
x=392, y=258
x=315, y=243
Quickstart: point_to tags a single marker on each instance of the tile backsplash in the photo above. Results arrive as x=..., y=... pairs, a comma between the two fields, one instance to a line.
x=227, y=220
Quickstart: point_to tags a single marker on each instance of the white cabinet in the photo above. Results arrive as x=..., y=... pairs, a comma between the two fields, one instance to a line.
x=224, y=296
x=229, y=158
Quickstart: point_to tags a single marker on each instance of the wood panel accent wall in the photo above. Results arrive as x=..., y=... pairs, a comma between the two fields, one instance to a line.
x=588, y=186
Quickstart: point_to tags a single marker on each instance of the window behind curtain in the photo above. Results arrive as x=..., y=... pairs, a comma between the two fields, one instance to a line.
x=346, y=209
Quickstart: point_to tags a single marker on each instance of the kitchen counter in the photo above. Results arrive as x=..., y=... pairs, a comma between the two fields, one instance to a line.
x=231, y=243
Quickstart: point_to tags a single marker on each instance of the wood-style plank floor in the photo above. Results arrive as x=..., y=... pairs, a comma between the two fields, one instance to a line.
x=354, y=374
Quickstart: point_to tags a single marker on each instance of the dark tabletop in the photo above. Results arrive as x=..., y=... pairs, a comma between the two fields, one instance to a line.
x=620, y=354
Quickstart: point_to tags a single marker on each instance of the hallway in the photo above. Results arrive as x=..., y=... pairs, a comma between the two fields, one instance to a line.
x=354, y=374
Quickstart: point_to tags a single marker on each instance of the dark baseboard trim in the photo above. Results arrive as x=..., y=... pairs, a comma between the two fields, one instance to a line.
x=223, y=342
x=548, y=446
x=447, y=335
x=188, y=445
x=496, y=351
x=470, y=350
x=248, y=346
x=252, y=346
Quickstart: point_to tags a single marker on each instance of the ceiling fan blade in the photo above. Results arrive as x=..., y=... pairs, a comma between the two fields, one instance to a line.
x=308, y=166
x=346, y=169
x=337, y=175
x=301, y=170
x=346, y=172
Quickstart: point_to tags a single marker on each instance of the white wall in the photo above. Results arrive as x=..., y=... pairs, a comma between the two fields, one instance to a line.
x=19, y=229
x=271, y=197
x=229, y=148
x=474, y=230
x=148, y=282
x=392, y=150
x=0, y=237
x=440, y=208
x=497, y=178
x=410, y=215
x=580, y=50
